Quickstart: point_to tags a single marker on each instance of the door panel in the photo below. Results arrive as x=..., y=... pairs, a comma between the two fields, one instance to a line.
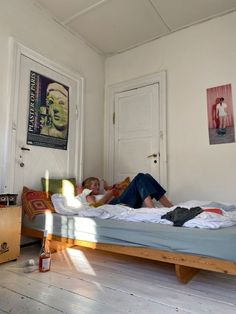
x=33, y=162
x=137, y=132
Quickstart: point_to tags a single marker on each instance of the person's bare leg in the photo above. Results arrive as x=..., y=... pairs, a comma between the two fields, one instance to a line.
x=224, y=122
x=148, y=202
x=221, y=122
x=165, y=202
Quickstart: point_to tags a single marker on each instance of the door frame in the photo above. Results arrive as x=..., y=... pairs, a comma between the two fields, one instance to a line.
x=111, y=91
x=16, y=51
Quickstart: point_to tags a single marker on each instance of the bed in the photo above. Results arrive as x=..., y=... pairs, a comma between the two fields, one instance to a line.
x=189, y=249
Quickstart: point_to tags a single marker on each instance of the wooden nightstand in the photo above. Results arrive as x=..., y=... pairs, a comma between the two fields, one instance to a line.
x=10, y=231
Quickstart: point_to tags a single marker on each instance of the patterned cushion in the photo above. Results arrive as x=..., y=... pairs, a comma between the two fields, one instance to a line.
x=36, y=202
x=118, y=188
x=60, y=186
x=123, y=184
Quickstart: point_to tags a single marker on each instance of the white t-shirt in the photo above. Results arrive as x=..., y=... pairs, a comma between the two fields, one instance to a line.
x=221, y=109
x=82, y=196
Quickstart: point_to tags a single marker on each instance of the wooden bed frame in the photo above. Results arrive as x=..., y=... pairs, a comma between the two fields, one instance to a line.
x=186, y=265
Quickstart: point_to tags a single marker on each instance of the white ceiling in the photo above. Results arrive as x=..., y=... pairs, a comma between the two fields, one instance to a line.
x=114, y=26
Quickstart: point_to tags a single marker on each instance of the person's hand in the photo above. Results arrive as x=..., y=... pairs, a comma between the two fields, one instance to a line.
x=112, y=192
x=105, y=184
x=109, y=193
x=116, y=192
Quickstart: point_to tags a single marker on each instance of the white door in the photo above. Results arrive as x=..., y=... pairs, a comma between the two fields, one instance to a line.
x=33, y=162
x=137, y=129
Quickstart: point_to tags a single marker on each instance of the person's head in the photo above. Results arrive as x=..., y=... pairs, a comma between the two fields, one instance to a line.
x=222, y=99
x=93, y=184
x=57, y=100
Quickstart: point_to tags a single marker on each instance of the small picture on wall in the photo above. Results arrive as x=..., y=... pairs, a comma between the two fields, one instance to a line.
x=220, y=114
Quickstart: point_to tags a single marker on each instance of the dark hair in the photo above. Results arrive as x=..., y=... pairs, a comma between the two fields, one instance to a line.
x=222, y=99
x=87, y=182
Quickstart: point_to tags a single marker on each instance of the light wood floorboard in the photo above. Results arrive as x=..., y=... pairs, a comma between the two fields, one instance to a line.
x=88, y=281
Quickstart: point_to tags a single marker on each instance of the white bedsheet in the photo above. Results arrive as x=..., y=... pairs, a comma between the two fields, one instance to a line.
x=207, y=220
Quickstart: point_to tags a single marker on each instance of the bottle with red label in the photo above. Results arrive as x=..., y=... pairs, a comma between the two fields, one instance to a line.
x=45, y=255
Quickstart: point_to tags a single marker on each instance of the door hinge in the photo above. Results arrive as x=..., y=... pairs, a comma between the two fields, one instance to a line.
x=114, y=117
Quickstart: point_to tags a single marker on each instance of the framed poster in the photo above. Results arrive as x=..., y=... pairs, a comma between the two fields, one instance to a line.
x=220, y=114
x=48, y=117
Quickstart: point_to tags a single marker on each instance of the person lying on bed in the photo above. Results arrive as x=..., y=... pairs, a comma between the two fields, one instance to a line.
x=142, y=189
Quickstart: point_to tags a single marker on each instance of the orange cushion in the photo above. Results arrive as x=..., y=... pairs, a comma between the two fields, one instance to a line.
x=123, y=184
x=36, y=202
x=119, y=187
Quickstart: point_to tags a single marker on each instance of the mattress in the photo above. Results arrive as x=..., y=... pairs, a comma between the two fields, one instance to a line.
x=216, y=243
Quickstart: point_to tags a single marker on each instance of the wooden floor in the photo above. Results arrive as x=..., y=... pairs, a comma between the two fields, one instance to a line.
x=87, y=281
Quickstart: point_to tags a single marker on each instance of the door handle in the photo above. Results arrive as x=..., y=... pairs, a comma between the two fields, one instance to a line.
x=152, y=155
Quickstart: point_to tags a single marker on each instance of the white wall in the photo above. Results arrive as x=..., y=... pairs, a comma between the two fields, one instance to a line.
x=195, y=59
x=29, y=26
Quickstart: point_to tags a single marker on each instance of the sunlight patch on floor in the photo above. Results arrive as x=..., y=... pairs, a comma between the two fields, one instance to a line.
x=76, y=259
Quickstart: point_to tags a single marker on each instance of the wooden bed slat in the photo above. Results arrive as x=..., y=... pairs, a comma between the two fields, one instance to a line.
x=186, y=265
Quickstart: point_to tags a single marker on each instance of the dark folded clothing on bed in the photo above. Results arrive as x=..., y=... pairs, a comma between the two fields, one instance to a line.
x=181, y=214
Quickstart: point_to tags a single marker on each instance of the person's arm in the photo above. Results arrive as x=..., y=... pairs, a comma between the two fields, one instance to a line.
x=107, y=187
x=217, y=111
x=118, y=188
x=108, y=196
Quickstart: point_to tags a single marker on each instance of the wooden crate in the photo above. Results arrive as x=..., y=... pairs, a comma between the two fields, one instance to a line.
x=10, y=230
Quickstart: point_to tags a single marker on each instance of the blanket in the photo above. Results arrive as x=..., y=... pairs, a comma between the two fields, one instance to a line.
x=206, y=219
